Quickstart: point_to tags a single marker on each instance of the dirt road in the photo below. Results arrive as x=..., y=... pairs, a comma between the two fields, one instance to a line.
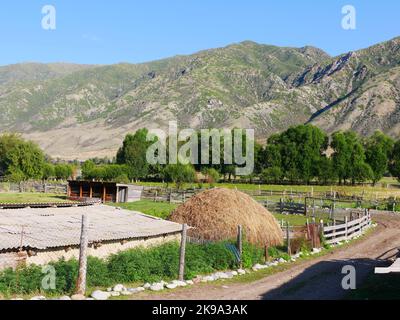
x=320, y=278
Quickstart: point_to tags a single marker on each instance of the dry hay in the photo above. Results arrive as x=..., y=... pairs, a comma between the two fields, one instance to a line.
x=216, y=214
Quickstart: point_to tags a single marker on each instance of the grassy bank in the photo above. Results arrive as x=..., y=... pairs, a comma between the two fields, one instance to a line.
x=31, y=198
x=133, y=266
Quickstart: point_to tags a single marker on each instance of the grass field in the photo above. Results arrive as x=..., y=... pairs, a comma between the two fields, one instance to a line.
x=31, y=198
x=163, y=210
x=156, y=209
x=387, y=187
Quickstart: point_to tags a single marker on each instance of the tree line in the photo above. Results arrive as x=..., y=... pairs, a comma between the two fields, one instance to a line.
x=22, y=160
x=302, y=154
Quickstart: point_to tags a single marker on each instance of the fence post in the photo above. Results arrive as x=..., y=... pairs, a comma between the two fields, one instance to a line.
x=305, y=206
x=81, y=282
x=182, y=253
x=322, y=233
x=346, y=227
x=266, y=254
x=334, y=230
x=288, y=238
x=240, y=244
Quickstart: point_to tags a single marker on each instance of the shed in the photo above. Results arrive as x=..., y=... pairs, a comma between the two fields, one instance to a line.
x=105, y=191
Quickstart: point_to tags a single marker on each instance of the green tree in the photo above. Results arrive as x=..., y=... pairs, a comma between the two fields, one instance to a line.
x=179, y=174
x=49, y=171
x=133, y=154
x=378, y=149
x=326, y=173
x=297, y=152
x=394, y=162
x=272, y=175
x=349, y=158
x=24, y=161
x=212, y=175
x=63, y=171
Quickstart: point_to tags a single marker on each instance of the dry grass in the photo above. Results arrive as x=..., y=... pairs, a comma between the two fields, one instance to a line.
x=215, y=215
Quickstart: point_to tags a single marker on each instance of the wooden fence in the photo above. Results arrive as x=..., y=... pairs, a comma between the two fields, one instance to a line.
x=347, y=230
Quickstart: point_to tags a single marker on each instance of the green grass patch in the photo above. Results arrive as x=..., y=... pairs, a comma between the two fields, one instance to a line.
x=137, y=265
x=31, y=198
x=156, y=209
x=380, y=190
x=164, y=209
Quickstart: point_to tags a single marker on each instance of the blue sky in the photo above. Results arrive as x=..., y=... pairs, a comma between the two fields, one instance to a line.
x=104, y=32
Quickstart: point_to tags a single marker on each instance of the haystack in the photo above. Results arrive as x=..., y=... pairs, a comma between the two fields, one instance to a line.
x=216, y=214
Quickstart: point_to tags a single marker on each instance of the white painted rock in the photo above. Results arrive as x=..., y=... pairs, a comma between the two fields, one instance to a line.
x=136, y=290
x=109, y=289
x=230, y=274
x=190, y=282
x=38, y=298
x=179, y=283
x=118, y=288
x=100, y=295
x=172, y=286
x=281, y=260
x=207, y=279
x=241, y=271
x=115, y=293
x=157, y=287
x=147, y=285
x=78, y=297
x=65, y=298
x=221, y=275
x=234, y=273
x=126, y=293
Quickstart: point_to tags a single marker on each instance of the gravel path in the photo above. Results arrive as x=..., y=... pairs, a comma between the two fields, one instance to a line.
x=314, y=279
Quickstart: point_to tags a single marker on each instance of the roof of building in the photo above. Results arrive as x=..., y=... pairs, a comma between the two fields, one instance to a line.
x=48, y=228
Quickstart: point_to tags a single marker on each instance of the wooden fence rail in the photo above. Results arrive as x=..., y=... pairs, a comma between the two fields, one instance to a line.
x=347, y=230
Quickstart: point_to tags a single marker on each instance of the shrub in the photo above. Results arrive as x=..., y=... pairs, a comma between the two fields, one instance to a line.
x=135, y=265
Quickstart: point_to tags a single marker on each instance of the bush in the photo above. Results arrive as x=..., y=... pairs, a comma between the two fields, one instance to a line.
x=135, y=265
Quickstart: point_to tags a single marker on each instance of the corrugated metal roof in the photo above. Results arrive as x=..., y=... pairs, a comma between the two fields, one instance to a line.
x=58, y=227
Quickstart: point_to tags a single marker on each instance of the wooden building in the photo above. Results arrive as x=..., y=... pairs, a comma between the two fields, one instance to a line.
x=105, y=191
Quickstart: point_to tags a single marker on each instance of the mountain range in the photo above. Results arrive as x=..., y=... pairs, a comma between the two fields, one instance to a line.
x=82, y=111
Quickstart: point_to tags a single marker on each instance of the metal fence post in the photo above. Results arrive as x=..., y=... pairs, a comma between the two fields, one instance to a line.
x=81, y=282
x=182, y=253
x=240, y=244
x=288, y=238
